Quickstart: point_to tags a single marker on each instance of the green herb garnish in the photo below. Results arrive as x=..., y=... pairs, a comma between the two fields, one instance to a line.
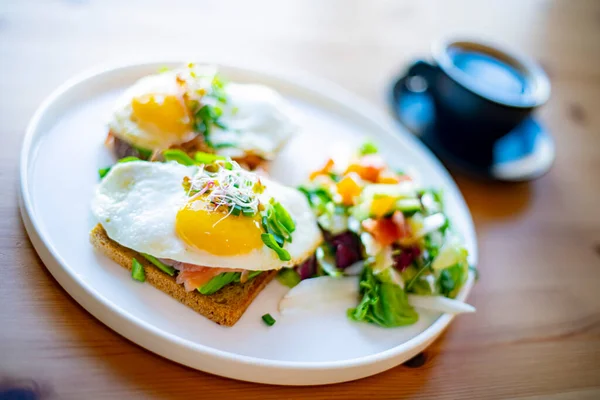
x=207, y=158
x=103, y=171
x=178, y=155
x=224, y=145
x=289, y=277
x=283, y=216
x=144, y=153
x=268, y=319
x=318, y=198
x=271, y=243
x=207, y=117
x=218, y=89
x=368, y=148
x=137, y=271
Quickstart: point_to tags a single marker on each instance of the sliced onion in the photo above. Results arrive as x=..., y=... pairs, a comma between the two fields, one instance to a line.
x=440, y=304
x=318, y=292
x=355, y=269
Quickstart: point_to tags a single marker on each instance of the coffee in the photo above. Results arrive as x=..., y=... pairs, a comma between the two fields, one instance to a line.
x=489, y=71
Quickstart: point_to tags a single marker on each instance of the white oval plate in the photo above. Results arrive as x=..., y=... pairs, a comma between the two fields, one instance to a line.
x=62, y=151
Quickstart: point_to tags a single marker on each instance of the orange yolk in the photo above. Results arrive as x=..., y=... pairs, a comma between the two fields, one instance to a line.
x=200, y=228
x=162, y=114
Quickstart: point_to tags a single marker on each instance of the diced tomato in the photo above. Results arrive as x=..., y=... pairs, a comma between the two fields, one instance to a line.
x=367, y=167
x=400, y=221
x=325, y=170
x=349, y=187
x=390, y=177
x=386, y=230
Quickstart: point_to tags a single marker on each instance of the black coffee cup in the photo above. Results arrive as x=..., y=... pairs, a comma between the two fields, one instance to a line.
x=480, y=94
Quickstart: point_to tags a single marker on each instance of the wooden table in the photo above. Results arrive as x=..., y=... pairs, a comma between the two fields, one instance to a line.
x=537, y=330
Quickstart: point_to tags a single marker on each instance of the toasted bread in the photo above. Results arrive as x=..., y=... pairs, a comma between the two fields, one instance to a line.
x=224, y=307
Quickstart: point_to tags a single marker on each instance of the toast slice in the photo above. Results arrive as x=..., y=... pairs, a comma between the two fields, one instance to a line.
x=224, y=307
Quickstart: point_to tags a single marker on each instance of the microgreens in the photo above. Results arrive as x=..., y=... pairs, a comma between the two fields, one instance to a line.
x=206, y=97
x=222, y=183
x=232, y=189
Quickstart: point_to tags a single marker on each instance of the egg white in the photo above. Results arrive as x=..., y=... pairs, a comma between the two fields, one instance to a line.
x=258, y=121
x=137, y=204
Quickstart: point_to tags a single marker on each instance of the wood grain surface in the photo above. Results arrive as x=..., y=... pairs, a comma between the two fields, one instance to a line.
x=536, y=333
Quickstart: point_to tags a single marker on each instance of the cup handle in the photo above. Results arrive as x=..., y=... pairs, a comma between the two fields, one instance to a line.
x=419, y=76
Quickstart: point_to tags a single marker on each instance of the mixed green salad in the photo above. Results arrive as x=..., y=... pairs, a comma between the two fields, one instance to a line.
x=380, y=225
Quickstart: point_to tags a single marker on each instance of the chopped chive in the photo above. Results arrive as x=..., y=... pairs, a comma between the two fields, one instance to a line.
x=248, y=212
x=289, y=277
x=271, y=243
x=268, y=319
x=180, y=156
x=164, y=268
x=287, y=236
x=128, y=159
x=265, y=224
x=284, y=217
x=219, y=124
x=223, y=145
x=137, y=271
x=368, y=148
x=102, y=172
x=206, y=158
x=273, y=226
x=273, y=230
x=236, y=210
x=144, y=153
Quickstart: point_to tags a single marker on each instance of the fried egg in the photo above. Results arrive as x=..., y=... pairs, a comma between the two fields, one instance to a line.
x=152, y=114
x=158, y=112
x=145, y=206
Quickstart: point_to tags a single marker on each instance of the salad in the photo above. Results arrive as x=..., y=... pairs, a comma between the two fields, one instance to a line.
x=379, y=225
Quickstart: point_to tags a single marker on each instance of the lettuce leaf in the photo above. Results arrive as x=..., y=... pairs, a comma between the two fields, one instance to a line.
x=383, y=303
x=451, y=279
x=289, y=277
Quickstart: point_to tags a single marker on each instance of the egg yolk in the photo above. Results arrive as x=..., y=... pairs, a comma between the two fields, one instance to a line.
x=162, y=113
x=207, y=230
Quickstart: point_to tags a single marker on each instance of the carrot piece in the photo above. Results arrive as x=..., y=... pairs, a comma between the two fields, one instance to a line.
x=384, y=230
x=368, y=167
x=325, y=170
x=349, y=187
x=382, y=205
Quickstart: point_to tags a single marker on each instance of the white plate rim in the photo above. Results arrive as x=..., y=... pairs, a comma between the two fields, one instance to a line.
x=101, y=308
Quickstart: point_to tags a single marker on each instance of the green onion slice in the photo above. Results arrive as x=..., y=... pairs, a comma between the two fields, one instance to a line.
x=137, y=271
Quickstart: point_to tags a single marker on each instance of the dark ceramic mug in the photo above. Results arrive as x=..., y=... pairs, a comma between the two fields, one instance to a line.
x=480, y=94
